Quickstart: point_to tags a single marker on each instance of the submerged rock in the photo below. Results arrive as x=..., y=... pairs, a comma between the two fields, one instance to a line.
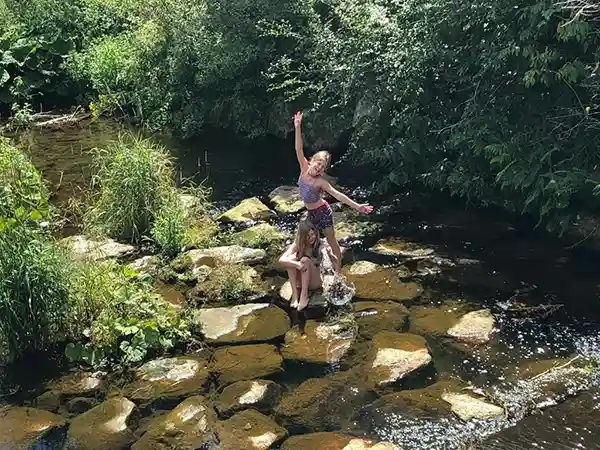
x=26, y=428
x=286, y=199
x=96, y=250
x=190, y=426
x=373, y=317
x=316, y=298
x=245, y=362
x=242, y=323
x=104, y=427
x=474, y=328
x=322, y=404
x=261, y=395
x=400, y=247
x=375, y=283
x=436, y=321
x=467, y=407
x=169, y=379
x=322, y=343
x=250, y=430
x=248, y=209
x=334, y=441
x=394, y=356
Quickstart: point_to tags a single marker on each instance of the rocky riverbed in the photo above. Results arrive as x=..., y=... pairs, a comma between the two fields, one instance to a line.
x=435, y=351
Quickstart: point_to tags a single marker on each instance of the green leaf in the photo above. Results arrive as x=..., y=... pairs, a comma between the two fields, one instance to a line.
x=35, y=215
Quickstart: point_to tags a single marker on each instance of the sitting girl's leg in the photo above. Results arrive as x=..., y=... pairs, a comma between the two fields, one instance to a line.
x=293, y=276
x=335, y=247
x=308, y=282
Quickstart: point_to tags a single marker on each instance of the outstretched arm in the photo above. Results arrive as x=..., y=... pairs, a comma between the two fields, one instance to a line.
x=298, y=142
x=363, y=208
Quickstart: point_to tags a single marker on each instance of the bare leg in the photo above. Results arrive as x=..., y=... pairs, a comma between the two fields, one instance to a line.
x=335, y=247
x=293, y=276
x=306, y=277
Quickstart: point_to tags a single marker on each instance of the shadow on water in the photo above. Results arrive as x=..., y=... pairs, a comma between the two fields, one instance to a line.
x=509, y=258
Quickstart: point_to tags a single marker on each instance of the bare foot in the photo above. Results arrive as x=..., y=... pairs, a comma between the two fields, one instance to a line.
x=303, y=302
x=294, y=303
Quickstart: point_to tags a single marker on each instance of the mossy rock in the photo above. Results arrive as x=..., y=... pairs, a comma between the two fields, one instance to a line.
x=245, y=362
x=262, y=395
x=248, y=209
x=380, y=284
x=262, y=235
x=334, y=441
x=436, y=321
x=401, y=247
x=26, y=428
x=286, y=199
x=250, y=430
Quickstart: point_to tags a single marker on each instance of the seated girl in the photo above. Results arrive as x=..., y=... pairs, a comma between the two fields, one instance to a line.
x=302, y=260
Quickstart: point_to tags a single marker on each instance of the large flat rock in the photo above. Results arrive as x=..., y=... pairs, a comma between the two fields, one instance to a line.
x=245, y=362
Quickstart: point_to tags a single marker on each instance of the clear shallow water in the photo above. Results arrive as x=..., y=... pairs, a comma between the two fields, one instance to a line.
x=511, y=257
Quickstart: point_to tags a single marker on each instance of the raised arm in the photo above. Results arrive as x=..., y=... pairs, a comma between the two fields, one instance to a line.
x=326, y=186
x=298, y=142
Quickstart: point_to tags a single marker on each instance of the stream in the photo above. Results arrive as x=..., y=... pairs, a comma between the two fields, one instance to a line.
x=479, y=259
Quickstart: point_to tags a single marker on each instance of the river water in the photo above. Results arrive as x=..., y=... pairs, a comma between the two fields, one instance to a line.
x=511, y=259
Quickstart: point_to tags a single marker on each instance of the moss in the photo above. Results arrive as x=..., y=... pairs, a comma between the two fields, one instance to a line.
x=383, y=285
x=229, y=283
x=259, y=236
x=436, y=321
x=400, y=247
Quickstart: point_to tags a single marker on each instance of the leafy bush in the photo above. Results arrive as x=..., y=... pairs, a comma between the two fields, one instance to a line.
x=127, y=321
x=168, y=230
x=34, y=286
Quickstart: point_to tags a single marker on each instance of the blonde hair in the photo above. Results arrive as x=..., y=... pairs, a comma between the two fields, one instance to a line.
x=324, y=155
x=302, y=243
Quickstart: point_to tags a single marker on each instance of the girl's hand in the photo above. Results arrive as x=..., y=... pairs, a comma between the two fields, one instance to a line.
x=365, y=208
x=297, y=119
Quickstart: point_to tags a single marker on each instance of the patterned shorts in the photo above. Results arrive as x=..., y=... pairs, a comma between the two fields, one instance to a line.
x=321, y=217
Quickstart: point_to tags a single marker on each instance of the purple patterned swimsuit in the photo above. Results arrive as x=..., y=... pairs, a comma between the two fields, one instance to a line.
x=321, y=217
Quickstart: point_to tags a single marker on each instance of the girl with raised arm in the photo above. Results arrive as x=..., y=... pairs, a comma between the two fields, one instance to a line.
x=311, y=184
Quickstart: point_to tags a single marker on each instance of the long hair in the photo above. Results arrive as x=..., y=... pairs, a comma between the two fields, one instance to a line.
x=323, y=155
x=302, y=243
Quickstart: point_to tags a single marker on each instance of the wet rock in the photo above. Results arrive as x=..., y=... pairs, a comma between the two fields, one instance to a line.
x=48, y=401
x=410, y=403
x=80, y=384
x=322, y=404
x=467, y=407
x=400, y=247
x=79, y=405
x=169, y=379
x=261, y=395
x=262, y=235
x=242, y=323
x=250, y=430
x=374, y=283
x=316, y=298
x=474, y=328
x=394, y=356
x=246, y=362
x=322, y=343
x=373, y=317
x=334, y=441
x=248, y=209
x=436, y=320
x=230, y=254
x=349, y=225
x=146, y=265
x=286, y=199
x=96, y=250
x=190, y=426
x=26, y=428
x=104, y=427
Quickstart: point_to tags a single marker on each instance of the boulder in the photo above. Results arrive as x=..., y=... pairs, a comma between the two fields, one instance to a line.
x=241, y=324
x=248, y=209
x=394, y=356
x=286, y=199
x=250, y=430
x=146, y=265
x=169, y=379
x=261, y=395
x=475, y=327
x=349, y=225
x=190, y=426
x=373, y=317
x=229, y=254
x=60, y=391
x=96, y=250
x=245, y=362
x=436, y=321
x=375, y=283
x=104, y=427
x=26, y=428
x=262, y=235
x=322, y=404
x=322, y=343
x=334, y=441
x=468, y=407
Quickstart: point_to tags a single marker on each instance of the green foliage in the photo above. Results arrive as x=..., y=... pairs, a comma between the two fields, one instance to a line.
x=133, y=184
x=169, y=230
x=128, y=322
x=34, y=285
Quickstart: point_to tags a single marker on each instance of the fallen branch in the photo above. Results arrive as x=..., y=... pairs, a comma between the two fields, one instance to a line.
x=556, y=368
